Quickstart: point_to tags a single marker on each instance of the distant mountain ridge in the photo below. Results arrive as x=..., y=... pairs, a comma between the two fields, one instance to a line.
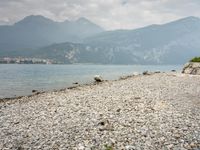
x=171, y=43
x=37, y=31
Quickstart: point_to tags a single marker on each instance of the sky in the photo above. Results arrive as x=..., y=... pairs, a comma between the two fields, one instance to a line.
x=109, y=14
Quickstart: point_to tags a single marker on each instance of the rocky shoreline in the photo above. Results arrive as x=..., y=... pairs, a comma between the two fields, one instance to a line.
x=154, y=111
x=75, y=85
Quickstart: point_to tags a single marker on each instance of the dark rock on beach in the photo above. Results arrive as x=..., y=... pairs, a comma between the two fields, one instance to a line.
x=34, y=91
x=75, y=83
x=98, y=78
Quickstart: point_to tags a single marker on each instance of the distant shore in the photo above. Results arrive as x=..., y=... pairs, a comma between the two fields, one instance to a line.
x=155, y=111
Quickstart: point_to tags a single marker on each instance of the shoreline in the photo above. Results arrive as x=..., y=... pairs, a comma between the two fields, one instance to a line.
x=68, y=88
x=14, y=86
x=124, y=77
x=156, y=111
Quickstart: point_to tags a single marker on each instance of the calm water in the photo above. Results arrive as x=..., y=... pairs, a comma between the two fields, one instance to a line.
x=17, y=80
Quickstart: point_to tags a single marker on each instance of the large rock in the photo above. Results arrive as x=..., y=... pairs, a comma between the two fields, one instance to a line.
x=98, y=78
x=192, y=68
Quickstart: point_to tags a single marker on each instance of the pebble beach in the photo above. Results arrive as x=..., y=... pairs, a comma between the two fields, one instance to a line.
x=160, y=111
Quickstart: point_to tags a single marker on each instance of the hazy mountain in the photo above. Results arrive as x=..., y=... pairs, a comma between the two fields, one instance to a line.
x=172, y=43
x=81, y=53
x=38, y=31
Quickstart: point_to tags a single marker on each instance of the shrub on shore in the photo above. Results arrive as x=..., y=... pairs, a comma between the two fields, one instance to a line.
x=195, y=59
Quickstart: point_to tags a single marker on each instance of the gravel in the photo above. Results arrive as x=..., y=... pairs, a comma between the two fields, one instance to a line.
x=142, y=112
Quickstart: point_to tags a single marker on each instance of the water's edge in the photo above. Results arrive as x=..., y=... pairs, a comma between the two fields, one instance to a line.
x=76, y=86
x=20, y=80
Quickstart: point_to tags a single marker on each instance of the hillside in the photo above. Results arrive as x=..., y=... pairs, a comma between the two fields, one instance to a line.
x=174, y=42
x=83, y=53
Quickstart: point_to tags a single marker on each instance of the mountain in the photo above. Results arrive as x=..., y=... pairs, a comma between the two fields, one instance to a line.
x=69, y=53
x=171, y=43
x=38, y=31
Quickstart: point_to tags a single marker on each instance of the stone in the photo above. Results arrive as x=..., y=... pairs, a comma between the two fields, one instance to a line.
x=105, y=125
x=75, y=83
x=177, y=136
x=34, y=91
x=136, y=74
x=98, y=78
x=145, y=73
x=191, y=68
x=170, y=146
x=157, y=72
x=192, y=145
x=81, y=147
x=126, y=77
x=130, y=147
x=118, y=110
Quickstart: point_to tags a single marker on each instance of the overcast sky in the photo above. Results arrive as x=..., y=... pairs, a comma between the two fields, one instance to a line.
x=110, y=14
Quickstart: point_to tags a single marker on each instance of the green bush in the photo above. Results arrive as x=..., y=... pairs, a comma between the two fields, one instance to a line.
x=195, y=59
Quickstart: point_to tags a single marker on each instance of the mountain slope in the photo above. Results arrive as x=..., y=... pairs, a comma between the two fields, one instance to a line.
x=172, y=43
x=38, y=31
x=79, y=53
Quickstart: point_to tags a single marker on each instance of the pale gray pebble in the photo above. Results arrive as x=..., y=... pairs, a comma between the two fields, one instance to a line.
x=155, y=111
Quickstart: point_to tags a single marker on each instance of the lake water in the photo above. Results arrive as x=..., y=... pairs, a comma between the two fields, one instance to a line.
x=17, y=80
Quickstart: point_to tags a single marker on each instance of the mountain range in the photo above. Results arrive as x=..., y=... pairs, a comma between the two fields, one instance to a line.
x=82, y=41
x=37, y=31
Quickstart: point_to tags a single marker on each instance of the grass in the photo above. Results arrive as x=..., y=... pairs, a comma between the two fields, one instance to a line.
x=195, y=59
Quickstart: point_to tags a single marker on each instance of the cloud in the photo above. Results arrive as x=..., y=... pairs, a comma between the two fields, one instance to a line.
x=110, y=14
